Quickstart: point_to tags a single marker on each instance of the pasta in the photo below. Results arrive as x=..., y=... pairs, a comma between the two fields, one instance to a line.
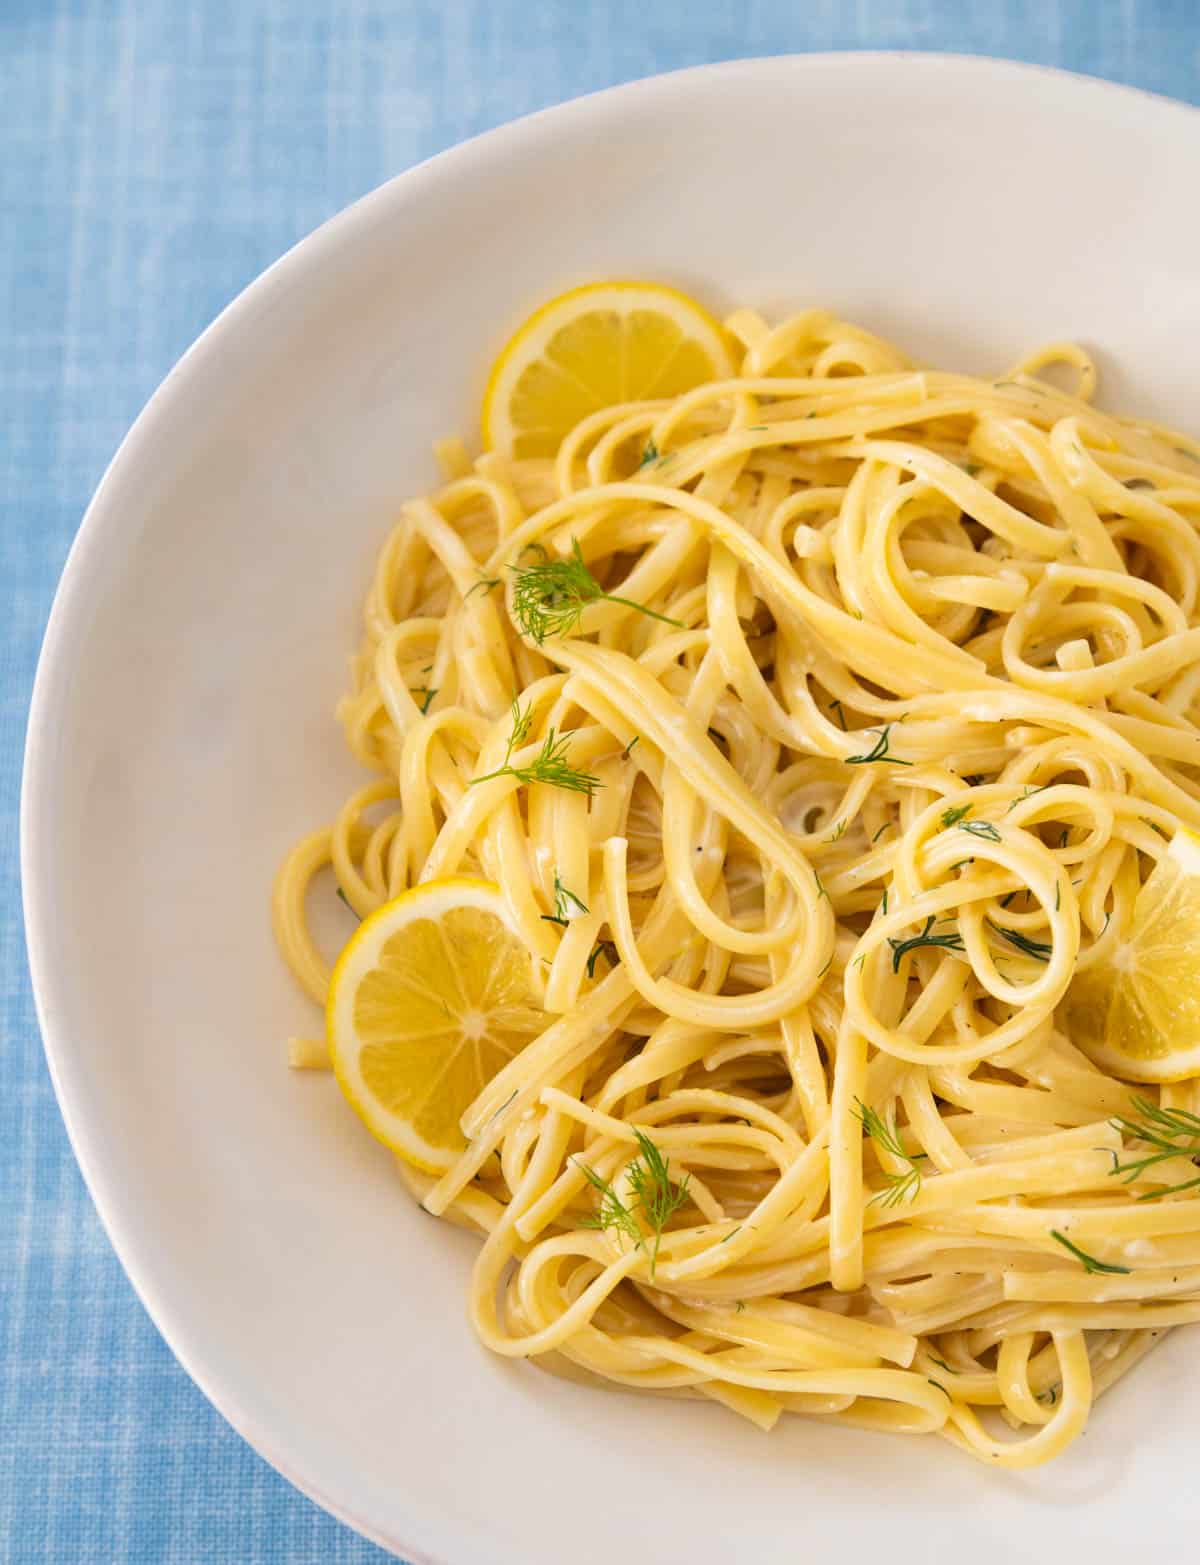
x=884, y=682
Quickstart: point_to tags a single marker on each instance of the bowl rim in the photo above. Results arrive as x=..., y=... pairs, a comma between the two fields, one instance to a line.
x=100, y=527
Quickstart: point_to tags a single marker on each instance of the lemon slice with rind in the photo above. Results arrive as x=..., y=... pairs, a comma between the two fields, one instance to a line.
x=1138, y=1016
x=591, y=348
x=432, y=996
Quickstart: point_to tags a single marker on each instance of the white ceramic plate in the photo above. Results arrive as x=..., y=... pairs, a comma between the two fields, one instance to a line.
x=182, y=736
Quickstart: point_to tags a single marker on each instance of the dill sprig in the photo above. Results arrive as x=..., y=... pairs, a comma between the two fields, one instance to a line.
x=1090, y=1264
x=428, y=692
x=879, y=752
x=549, y=766
x=602, y=948
x=983, y=829
x=549, y=596
x=612, y=1211
x=952, y=817
x=484, y=585
x=900, y=1187
x=656, y=1197
x=951, y=941
x=1171, y=1132
x=1039, y=950
x=1028, y=794
x=565, y=901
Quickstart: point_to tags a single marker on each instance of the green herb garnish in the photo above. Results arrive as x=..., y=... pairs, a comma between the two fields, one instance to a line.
x=1028, y=794
x=952, y=817
x=650, y=454
x=1039, y=950
x=549, y=766
x=1171, y=1132
x=349, y=904
x=1090, y=1264
x=656, y=1198
x=983, y=829
x=900, y=1187
x=836, y=708
x=900, y=948
x=564, y=900
x=879, y=752
x=424, y=690
x=549, y=596
x=602, y=948
x=484, y=585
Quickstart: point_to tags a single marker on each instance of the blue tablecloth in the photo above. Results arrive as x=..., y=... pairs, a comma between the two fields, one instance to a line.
x=154, y=156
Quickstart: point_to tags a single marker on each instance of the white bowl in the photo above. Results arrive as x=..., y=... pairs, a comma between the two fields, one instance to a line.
x=182, y=736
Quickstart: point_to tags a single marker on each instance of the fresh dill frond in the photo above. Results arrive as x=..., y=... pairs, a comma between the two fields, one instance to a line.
x=612, y=1211
x=549, y=766
x=839, y=831
x=1039, y=950
x=484, y=585
x=629, y=747
x=602, y=948
x=503, y=1106
x=880, y=832
x=879, y=752
x=549, y=596
x=883, y=902
x=983, y=829
x=952, y=817
x=836, y=708
x=649, y=454
x=522, y=722
x=1171, y=1132
x=565, y=900
x=951, y=941
x=943, y=1365
x=428, y=693
x=899, y=1187
x=1089, y=1262
x=657, y=1197
x=344, y=898
x=821, y=892
x=1028, y=794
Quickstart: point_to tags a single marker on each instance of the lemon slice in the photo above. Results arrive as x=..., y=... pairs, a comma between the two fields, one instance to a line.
x=593, y=347
x=1138, y=1016
x=431, y=997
